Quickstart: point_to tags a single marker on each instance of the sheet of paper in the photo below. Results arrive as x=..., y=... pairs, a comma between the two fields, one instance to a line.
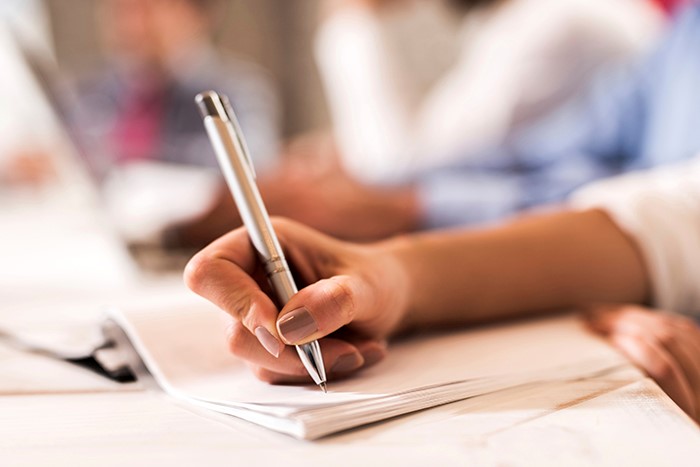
x=183, y=343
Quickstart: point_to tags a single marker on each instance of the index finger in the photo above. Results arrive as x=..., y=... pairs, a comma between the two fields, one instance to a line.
x=223, y=274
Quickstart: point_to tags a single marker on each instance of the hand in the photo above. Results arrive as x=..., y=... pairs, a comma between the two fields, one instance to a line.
x=357, y=297
x=311, y=187
x=337, y=205
x=665, y=345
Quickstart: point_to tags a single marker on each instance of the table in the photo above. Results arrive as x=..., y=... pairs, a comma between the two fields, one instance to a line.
x=620, y=419
x=54, y=413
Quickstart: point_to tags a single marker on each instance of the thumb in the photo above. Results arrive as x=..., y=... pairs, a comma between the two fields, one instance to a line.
x=322, y=308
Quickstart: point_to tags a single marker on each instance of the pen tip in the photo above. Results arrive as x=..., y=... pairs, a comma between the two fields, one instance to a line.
x=323, y=386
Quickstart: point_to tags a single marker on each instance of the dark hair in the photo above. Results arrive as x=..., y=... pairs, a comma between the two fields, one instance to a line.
x=471, y=4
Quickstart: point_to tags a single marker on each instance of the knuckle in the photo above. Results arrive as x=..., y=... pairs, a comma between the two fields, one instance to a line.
x=236, y=338
x=237, y=307
x=240, y=305
x=196, y=272
x=341, y=296
x=241, y=309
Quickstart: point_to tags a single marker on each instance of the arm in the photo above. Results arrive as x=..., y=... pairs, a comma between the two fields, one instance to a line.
x=564, y=260
x=375, y=291
x=636, y=239
x=535, y=264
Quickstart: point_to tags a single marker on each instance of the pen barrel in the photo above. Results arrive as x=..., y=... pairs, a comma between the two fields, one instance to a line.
x=241, y=182
x=238, y=172
x=281, y=280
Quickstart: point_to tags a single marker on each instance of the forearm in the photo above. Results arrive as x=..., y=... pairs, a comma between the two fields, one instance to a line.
x=536, y=264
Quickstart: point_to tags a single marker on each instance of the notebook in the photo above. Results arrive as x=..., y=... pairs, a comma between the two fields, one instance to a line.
x=183, y=345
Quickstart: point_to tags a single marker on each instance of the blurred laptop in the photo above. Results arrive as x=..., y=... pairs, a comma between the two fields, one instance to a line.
x=137, y=199
x=61, y=235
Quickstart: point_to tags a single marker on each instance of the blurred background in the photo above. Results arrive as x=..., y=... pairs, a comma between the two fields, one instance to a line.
x=277, y=35
x=365, y=118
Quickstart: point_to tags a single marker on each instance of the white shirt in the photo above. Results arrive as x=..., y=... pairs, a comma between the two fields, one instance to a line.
x=516, y=62
x=660, y=210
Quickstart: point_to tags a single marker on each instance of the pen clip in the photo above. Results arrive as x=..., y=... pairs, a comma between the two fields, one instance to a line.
x=238, y=132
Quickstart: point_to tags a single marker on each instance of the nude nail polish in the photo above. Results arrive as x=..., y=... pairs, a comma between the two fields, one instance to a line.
x=268, y=341
x=297, y=325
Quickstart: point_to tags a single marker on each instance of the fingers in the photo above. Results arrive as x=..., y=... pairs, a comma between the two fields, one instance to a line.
x=665, y=345
x=688, y=339
x=648, y=355
x=324, y=307
x=341, y=358
x=677, y=334
x=228, y=274
x=679, y=341
x=222, y=273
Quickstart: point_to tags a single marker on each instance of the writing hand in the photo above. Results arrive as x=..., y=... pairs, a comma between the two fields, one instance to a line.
x=355, y=298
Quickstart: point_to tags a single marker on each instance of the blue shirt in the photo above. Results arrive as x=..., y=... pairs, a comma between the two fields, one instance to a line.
x=639, y=119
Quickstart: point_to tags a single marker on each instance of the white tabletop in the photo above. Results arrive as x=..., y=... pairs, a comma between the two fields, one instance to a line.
x=615, y=420
x=54, y=413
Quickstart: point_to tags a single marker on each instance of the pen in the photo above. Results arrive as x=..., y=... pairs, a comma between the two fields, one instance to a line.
x=235, y=162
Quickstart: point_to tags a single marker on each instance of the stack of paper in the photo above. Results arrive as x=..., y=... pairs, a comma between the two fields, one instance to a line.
x=184, y=346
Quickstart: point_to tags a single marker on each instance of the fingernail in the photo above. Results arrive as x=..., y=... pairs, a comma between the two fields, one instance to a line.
x=268, y=341
x=347, y=362
x=297, y=325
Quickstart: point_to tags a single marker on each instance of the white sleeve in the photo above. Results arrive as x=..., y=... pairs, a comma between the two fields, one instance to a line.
x=367, y=98
x=660, y=210
x=516, y=64
x=522, y=61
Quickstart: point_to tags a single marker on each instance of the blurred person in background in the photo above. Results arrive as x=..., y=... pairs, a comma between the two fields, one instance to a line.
x=143, y=137
x=160, y=55
x=616, y=125
x=138, y=130
x=516, y=60
x=640, y=116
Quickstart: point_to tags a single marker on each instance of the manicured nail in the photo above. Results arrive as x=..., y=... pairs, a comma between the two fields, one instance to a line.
x=297, y=325
x=347, y=362
x=268, y=341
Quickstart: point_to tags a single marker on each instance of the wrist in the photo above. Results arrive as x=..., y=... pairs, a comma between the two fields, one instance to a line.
x=406, y=286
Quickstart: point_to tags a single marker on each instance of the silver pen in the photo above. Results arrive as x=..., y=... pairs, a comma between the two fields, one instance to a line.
x=233, y=156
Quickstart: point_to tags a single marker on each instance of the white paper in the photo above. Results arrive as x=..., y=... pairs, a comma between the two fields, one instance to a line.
x=183, y=344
